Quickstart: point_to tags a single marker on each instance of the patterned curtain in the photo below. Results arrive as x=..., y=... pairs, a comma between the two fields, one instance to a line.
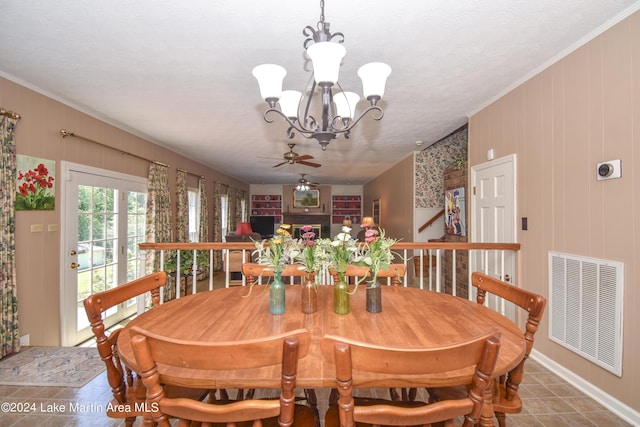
x=182, y=207
x=9, y=331
x=159, y=227
x=238, y=213
x=217, y=226
x=204, y=210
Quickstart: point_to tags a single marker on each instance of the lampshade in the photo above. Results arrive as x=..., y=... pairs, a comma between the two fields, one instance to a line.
x=346, y=104
x=367, y=221
x=269, y=78
x=243, y=229
x=374, y=77
x=289, y=101
x=326, y=57
x=347, y=222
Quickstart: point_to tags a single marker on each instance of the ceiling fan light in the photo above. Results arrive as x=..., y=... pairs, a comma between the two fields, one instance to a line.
x=346, y=104
x=326, y=58
x=289, y=102
x=374, y=78
x=270, y=77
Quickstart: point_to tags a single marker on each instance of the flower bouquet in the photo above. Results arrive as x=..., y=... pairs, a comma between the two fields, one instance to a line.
x=277, y=252
x=376, y=254
x=340, y=252
x=311, y=258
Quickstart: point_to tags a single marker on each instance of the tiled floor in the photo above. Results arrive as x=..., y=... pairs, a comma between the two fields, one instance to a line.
x=547, y=399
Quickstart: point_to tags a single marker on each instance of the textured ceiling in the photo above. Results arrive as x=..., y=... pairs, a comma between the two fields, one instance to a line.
x=179, y=72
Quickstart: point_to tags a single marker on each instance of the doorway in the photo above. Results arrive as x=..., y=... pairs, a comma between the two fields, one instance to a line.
x=104, y=215
x=493, y=216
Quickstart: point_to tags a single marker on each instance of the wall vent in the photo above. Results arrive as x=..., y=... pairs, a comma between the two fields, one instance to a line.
x=585, y=304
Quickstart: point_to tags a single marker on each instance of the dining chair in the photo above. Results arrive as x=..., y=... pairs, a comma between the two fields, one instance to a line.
x=356, y=272
x=350, y=357
x=395, y=271
x=232, y=263
x=252, y=271
x=127, y=389
x=154, y=353
x=505, y=389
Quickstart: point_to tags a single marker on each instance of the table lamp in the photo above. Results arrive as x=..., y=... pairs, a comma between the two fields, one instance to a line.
x=367, y=222
x=243, y=229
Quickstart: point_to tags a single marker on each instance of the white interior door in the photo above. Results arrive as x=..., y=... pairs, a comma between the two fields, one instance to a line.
x=104, y=220
x=493, y=215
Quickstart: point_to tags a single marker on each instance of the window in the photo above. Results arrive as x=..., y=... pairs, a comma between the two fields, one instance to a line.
x=194, y=214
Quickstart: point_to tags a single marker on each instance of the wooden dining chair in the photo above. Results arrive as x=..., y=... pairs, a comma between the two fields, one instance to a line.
x=395, y=271
x=350, y=357
x=154, y=353
x=128, y=391
x=355, y=272
x=252, y=271
x=505, y=390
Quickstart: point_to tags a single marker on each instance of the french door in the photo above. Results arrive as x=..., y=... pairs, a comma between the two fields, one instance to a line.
x=103, y=221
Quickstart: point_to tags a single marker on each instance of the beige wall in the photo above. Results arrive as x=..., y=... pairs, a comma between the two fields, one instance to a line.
x=582, y=110
x=394, y=188
x=38, y=134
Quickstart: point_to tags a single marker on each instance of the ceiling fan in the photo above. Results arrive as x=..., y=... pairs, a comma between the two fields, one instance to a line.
x=304, y=184
x=292, y=157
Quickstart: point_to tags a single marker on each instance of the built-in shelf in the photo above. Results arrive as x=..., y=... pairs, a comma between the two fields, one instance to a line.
x=267, y=205
x=349, y=206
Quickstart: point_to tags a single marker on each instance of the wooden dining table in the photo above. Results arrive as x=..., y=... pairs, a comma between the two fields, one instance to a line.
x=410, y=318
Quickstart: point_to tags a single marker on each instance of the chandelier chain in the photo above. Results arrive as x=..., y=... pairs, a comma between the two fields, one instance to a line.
x=321, y=10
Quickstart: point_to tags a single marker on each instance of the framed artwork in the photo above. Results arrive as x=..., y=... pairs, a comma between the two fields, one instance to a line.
x=375, y=212
x=35, y=184
x=454, y=216
x=306, y=199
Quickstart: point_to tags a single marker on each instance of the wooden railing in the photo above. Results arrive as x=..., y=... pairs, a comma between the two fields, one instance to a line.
x=438, y=266
x=431, y=221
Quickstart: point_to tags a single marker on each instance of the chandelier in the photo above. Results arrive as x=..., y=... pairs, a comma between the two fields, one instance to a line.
x=338, y=108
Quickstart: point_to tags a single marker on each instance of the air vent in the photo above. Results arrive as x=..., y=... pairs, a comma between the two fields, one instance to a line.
x=585, y=304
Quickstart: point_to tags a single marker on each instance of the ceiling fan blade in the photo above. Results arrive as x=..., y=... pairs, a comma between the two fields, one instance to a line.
x=303, y=157
x=313, y=165
x=280, y=164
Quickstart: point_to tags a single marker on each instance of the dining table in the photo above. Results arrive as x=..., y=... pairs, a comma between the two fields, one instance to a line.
x=410, y=317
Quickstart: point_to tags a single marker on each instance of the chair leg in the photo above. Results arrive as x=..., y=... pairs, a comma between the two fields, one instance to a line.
x=502, y=419
x=393, y=393
x=312, y=401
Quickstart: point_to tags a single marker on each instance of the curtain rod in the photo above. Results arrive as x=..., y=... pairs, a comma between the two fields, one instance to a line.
x=9, y=113
x=191, y=173
x=66, y=133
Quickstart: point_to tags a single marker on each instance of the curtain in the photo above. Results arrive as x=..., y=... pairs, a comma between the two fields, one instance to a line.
x=217, y=226
x=9, y=331
x=182, y=207
x=204, y=211
x=159, y=227
x=238, y=211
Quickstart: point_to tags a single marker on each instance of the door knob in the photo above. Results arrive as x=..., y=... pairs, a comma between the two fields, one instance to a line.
x=507, y=278
x=74, y=265
x=73, y=252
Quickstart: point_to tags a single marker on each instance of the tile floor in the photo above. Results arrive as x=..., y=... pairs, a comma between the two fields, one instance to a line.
x=548, y=401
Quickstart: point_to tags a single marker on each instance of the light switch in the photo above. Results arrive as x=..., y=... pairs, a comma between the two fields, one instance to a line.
x=36, y=228
x=52, y=227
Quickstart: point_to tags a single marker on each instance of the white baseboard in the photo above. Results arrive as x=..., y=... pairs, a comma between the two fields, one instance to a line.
x=625, y=412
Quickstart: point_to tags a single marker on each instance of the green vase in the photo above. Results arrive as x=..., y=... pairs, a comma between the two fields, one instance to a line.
x=276, y=294
x=341, y=296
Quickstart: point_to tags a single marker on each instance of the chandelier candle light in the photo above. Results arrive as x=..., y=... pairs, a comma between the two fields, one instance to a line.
x=338, y=108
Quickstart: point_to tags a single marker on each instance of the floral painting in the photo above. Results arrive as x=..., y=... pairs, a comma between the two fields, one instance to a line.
x=455, y=212
x=35, y=184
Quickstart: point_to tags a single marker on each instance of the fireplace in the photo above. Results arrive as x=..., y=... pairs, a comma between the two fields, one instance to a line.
x=321, y=222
